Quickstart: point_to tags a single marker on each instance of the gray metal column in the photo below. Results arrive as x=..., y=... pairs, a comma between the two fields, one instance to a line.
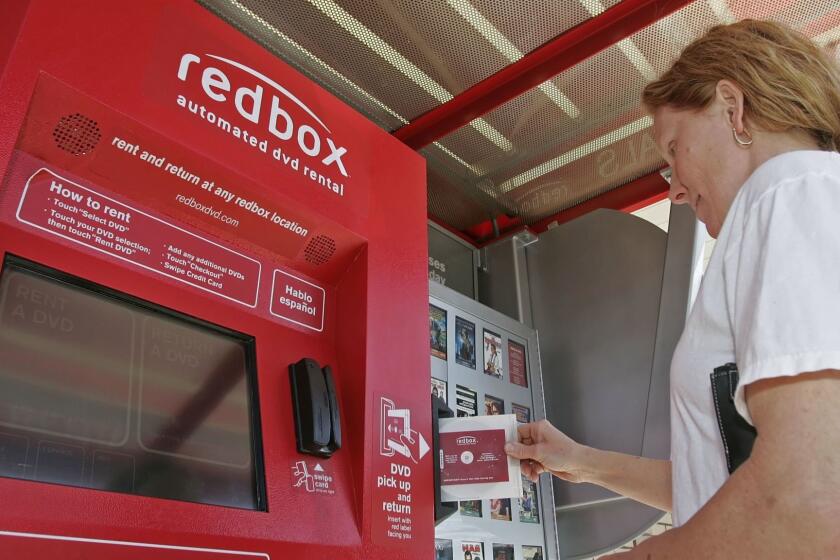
x=677, y=283
x=609, y=293
x=608, y=296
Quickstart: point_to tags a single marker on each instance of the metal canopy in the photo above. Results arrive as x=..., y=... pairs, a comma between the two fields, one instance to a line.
x=527, y=111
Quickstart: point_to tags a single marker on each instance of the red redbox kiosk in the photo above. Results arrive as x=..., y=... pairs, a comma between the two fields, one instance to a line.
x=213, y=300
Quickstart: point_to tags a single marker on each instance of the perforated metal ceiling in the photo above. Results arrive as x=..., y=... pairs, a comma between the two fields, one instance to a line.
x=572, y=138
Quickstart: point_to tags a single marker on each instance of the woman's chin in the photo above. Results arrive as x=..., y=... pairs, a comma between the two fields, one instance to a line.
x=712, y=227
x=713, y=230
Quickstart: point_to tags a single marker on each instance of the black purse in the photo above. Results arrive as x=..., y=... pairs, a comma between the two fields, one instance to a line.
x=738, y=436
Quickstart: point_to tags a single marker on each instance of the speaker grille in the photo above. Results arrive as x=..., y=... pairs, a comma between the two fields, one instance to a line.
x=76, y=134
x=319, y=250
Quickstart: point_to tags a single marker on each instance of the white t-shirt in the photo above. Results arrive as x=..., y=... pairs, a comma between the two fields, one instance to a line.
x=769, y=301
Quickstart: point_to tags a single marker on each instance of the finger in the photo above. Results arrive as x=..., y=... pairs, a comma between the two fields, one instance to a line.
x=524, y=431
x=521, y=451
x=527, y=467
x=528, y=470
x=535, y=469
x=538, y=468
x=532, y=469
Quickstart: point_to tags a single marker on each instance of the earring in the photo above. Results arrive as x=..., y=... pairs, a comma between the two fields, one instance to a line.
x=744, y=143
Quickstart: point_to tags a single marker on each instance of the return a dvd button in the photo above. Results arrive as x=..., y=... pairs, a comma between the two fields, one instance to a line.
x=297, y=300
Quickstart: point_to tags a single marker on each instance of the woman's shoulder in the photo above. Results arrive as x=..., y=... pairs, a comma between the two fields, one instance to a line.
x=791, y=169
x=799, y=182
x=793, y=165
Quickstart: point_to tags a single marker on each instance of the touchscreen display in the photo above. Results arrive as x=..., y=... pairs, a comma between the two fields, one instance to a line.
x=103, y=391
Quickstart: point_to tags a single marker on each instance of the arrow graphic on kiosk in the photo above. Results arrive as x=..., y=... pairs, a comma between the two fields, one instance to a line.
x=413, y=445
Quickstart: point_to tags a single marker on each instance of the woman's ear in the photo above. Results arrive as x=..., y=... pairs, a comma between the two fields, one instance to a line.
x=731, y=98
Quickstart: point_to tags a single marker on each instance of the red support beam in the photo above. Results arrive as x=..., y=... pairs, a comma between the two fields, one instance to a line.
x=645, y=202
x=458, y=233
x=485, y=231
x=557, y=55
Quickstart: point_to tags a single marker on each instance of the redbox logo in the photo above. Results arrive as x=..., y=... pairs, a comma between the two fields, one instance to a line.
x=250, y=101
x=466, y=440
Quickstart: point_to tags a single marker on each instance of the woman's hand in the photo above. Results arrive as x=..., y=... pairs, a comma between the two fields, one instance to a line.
x=544, y=448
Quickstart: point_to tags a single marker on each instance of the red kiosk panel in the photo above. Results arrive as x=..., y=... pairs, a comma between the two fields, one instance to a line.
x=199, y=216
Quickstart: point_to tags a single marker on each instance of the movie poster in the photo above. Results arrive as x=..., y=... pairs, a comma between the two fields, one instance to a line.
x=470, y=508
x=532, y=552
x=443, y=549
x=464, y=342
x=437, y=331
x=493, y=405
x=492, y=354
x=473, y=550
x=500, y=509
x=466, y=401
x=439, y=389
x=523, y=413
x=516, y=364
x=529, y=508
x=503, y=552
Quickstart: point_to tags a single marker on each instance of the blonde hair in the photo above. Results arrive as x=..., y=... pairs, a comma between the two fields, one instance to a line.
x=788, y=82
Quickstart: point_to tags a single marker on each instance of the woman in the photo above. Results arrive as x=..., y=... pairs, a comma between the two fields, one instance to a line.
x=748, y=119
